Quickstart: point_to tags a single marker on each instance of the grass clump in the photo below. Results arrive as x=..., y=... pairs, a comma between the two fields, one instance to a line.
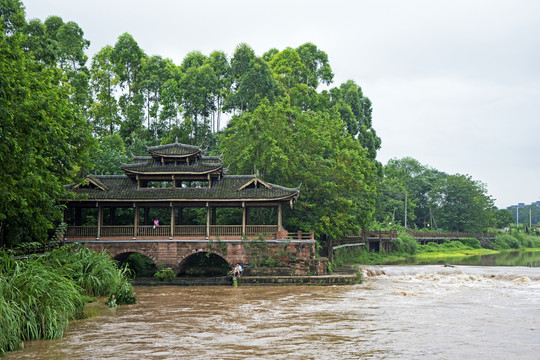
x=39, y=295
x=405, y=243
x=36, y=302
x=165, y=274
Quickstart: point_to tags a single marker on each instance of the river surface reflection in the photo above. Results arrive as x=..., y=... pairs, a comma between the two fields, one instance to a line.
x=399, y=312
x=504, y=258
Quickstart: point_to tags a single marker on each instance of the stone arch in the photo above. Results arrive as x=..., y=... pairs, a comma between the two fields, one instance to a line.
x=184, y=256
x=129, y=250
x=193, y=260
x=140, y=266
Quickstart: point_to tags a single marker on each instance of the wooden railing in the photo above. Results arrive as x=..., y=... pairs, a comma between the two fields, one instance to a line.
x=378, y=234
x=81, y=231
x=225, y=230
x=254, y=230
x=150, y=231
x=199, y=231
x=120, y=230
x=190, y=230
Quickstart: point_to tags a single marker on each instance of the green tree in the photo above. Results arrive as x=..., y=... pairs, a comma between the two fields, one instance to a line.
x=419, y=180
x=170, y=102
x=106, y=119
x=219, y=63
x=355, y=110
x=109, y=154
x=198, y=88
x=128, y=57
x=291, y=147
x=255, y=85
x=503, y=218
x=71, y=45
x=155, y=71
x=289, y=71
x=251, y=79
x=241, y=61
x=44, y=140
x=461, y=203
x=316, y=62
x=40, y=44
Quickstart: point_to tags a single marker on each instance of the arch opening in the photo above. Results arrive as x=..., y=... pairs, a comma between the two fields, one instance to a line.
x=140, y=264
x=204, y=264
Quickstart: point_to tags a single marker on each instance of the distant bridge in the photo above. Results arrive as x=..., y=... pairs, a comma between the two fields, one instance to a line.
x=377, y=240
x=438, y=237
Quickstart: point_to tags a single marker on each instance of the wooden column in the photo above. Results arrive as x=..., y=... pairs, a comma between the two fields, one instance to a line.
x=243, y=218
x=136, y=221
x=207, y=221
x=100, y=221
x=172, y=220
x=279, y=216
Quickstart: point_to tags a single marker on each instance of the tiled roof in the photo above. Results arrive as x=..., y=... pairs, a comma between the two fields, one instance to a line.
x=121, y=187
x=151, y=166
x=173, y=149
x=211, y=159
x=141, y=159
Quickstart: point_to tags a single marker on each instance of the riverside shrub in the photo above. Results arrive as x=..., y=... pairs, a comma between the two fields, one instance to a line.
x=506, y=241
x=36, y=302
x=39, y=295
x=472, y=242
x=405, y=243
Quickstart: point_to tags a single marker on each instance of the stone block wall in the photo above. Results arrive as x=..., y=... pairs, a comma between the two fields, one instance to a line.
x=272, y=257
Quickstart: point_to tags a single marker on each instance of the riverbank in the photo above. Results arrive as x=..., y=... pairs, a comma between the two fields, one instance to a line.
x=467, y=251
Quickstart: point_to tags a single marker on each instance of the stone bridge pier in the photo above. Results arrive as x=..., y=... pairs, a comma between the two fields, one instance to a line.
x=298, y=257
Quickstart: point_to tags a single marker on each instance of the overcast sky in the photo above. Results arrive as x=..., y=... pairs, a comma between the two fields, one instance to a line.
x=454, y=84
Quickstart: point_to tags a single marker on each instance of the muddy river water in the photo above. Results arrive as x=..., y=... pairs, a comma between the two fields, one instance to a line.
x=399, y=312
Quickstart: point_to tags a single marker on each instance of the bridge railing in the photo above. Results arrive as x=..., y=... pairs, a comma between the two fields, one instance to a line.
x=81, y=231
x=378, y=234
x=150, y=231
x=448, y=234
x=190, y=230
x=225, y=230
x=118, y=230
x=254, y=230
x=198, y=231
x=297, y=235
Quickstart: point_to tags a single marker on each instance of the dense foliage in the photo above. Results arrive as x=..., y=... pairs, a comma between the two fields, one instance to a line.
x=43, y=136
x=434, y=199
x=39, y=295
